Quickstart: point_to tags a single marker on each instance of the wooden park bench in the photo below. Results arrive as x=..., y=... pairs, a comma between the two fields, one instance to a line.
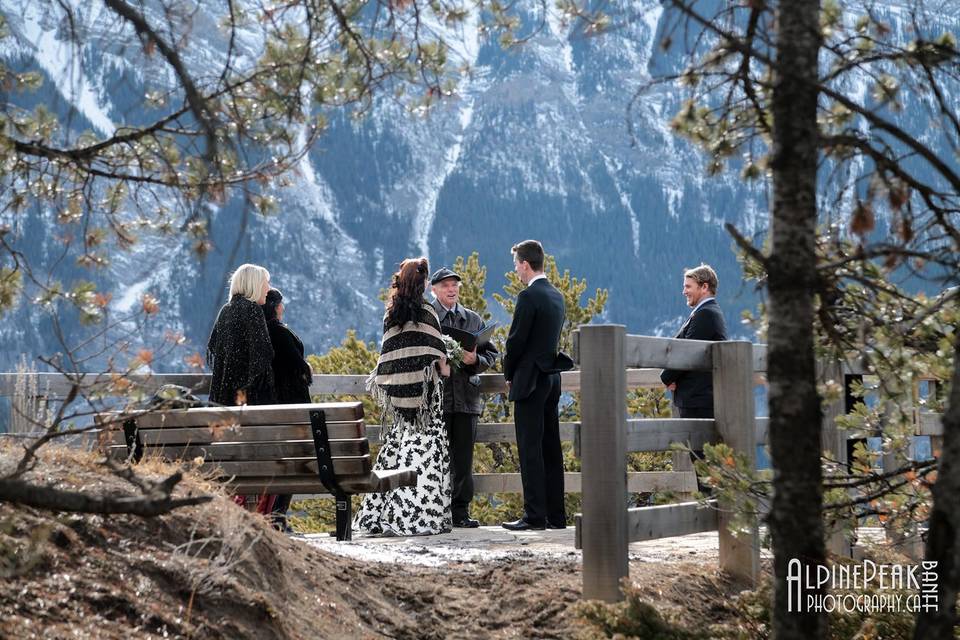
x=292, y=448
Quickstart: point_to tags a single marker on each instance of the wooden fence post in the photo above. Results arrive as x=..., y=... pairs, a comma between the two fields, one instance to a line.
x=833, y=441
x=735, y=419
x=603, y=411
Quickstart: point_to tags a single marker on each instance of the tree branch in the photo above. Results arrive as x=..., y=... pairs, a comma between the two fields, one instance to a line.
x=50, y=498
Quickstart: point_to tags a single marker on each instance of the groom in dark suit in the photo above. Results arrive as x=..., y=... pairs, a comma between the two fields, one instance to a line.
x=693, y=390
x=532, y=367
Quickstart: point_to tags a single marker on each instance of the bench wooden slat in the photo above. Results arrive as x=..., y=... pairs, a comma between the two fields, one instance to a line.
x=357, y=465
x=375, y=481
x=233, y=451
x=250, y=433
x=309, y=483
x=250, y=415
x=290, y=467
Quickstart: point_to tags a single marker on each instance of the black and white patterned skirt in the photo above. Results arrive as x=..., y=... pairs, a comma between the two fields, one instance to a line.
x=425, y=508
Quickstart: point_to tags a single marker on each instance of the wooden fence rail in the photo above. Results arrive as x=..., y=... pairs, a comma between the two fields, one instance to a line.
x=55, y=385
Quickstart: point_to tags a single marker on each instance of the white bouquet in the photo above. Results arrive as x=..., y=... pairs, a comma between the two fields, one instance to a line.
x=454, y=351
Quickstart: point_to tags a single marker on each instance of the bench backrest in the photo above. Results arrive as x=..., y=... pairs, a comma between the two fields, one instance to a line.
x=267, y=447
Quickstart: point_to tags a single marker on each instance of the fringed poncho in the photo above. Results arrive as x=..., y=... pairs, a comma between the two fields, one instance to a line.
x=406, y=372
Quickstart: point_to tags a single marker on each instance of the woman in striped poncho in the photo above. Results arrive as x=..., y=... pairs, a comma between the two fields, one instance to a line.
x=408, y=385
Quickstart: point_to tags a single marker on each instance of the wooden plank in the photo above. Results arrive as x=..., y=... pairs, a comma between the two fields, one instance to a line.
x=507, y=431
x=659, y=434
x=486, y=432
x=379, y=481
x=833, y=441
x=231, y=451
x=673, y=353
x=484, y=483
x=57, y=385
x=760, y=358
x=302, y=484
x=250, y=415
x=289, y=467
x=310, y=486
x=929, y=424
x=603, y=410
x=762, y=431
x=249, y=433
x=735, y=422
x=665, y=521
x=266, y=468
x=666, y=353
x=856, y=368
x=637, y=482
x=335, y=384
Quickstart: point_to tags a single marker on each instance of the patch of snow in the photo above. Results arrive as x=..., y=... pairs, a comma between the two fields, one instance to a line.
x=625, y=202
x=131, y=296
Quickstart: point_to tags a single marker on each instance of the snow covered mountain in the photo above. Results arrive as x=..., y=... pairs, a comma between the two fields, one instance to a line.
x=535, y=145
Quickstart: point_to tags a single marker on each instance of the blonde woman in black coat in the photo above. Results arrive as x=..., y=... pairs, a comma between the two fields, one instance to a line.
x=239, y=352
x=292, y=377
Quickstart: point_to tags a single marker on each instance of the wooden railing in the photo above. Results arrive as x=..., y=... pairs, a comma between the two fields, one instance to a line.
x=606, y=527
x=55, y=386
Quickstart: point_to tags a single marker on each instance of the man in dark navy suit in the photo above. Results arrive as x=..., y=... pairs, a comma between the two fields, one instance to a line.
x=693, y=390
x=532, y=367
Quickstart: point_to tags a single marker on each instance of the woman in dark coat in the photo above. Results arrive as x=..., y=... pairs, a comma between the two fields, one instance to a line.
x=292, y=376
x=291, y=373
x=239, y=352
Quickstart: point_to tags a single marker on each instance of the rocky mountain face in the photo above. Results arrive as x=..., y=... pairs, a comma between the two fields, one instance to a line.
x=535, y=144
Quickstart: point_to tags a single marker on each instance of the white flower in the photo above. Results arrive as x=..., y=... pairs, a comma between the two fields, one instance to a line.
x=454, y=351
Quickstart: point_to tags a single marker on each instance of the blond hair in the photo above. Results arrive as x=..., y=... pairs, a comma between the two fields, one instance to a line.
x=248, y=281
x=704, y=274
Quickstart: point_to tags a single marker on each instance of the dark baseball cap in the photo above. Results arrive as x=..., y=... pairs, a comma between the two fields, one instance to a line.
x=442, y=274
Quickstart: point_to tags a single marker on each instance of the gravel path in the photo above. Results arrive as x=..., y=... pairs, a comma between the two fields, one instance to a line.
x=486, y=544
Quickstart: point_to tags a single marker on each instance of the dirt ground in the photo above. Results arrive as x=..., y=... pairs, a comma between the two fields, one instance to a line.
x=216, y=571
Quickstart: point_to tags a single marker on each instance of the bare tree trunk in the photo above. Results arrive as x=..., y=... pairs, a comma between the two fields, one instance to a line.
x=942, y=539
x=795, y=516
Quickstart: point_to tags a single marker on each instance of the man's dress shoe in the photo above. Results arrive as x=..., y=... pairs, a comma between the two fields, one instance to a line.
x=466, y=523
x=522, y=525
x=551, y=525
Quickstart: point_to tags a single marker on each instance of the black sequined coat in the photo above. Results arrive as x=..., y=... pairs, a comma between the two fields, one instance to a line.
x=239, y=354
x=291, y=373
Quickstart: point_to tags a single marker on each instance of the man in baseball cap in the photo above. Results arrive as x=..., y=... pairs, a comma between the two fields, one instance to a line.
x=462, y=404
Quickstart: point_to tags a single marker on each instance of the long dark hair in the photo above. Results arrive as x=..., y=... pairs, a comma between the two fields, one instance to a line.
x=274, y=299
x=406, y=292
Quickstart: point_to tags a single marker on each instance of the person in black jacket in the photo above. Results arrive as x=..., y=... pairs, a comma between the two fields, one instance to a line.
x=462, y=404
x=291, y=373
x=532, y=366
x=693, y=390
x=292, y=377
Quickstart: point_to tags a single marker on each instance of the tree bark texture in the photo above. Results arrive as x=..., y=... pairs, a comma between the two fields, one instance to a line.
x=795, y=517
x=942, y=538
